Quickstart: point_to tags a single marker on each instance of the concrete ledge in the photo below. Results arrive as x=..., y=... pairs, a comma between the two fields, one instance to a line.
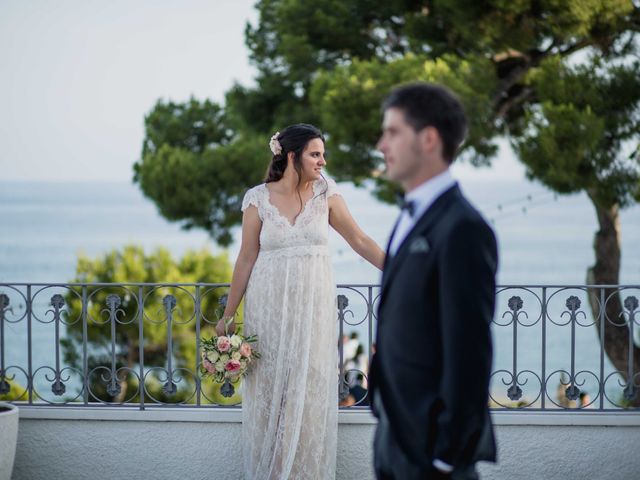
x=167, y=443
x=568, y=418
x=360, y=416
x=203, y=443
x=159, y=414
x=165, y=414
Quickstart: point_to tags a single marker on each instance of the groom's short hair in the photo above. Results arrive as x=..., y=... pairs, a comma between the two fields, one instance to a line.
x=429, y=105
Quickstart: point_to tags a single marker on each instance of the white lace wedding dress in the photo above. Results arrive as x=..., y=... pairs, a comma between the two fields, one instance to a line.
x=290, y=398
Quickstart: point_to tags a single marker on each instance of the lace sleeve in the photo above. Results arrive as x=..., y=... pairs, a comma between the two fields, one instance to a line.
x=251, y=198
x=332, y=188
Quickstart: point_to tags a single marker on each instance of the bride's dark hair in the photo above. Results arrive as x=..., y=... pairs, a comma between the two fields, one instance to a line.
x=294, y=139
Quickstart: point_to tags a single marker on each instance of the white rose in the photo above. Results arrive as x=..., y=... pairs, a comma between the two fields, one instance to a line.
x=224, y=358
x=213, y=356
x=236, y=356
x=236, y=341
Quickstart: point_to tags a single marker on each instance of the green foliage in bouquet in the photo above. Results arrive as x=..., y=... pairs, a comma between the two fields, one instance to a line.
x=227, y=358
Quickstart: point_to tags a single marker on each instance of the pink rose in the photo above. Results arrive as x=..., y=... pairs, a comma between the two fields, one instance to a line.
x=224, y=344
x=245, y=350
x=232, y=366
x=208, y=366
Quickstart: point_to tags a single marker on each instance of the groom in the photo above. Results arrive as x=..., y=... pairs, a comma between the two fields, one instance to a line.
x=429, y=378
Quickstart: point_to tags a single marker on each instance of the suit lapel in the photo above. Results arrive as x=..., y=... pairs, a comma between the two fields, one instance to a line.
x=387, y=257
x=424, y=224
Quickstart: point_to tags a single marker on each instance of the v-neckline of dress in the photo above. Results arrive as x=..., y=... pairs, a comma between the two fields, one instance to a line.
x=284, y=217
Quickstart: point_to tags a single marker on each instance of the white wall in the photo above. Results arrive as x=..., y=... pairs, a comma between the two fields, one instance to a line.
x=107, y=443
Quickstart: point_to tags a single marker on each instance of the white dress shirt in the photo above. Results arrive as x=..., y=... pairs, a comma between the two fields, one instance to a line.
x=422, y=197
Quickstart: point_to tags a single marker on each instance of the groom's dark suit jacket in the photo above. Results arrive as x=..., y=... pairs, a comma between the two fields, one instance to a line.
x=433, y=345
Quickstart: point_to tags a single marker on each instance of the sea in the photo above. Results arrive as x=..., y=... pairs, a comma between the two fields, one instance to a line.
x=543, y=238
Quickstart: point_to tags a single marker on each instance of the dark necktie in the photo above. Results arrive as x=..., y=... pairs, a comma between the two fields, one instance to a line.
x=409, y=206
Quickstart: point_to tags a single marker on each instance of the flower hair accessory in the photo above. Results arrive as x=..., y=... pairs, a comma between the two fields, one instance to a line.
x=274, y=144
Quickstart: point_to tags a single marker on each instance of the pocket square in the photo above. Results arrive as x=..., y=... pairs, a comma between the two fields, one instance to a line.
x=419, y=245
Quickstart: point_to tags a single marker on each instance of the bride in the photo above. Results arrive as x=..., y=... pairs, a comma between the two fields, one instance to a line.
x=283, y=269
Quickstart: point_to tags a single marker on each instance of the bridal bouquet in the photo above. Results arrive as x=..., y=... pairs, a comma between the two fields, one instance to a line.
x=227, y=357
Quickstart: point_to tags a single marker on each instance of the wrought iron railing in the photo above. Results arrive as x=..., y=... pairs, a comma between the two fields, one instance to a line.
x=138, y=345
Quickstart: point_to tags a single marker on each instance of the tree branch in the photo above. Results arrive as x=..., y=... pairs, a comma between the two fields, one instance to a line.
x=575, y=47
x=524, y=95
x=502, y=101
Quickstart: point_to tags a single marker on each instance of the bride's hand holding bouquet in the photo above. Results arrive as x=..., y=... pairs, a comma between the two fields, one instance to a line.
x=227, y=356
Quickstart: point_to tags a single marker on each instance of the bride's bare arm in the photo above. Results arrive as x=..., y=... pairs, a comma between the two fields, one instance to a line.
x=249, y=249
x=341, y=220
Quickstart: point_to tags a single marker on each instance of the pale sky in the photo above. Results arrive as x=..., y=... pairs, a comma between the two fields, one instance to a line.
x=78, y=76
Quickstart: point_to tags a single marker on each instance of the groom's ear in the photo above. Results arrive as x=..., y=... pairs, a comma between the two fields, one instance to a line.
x=430, y=139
